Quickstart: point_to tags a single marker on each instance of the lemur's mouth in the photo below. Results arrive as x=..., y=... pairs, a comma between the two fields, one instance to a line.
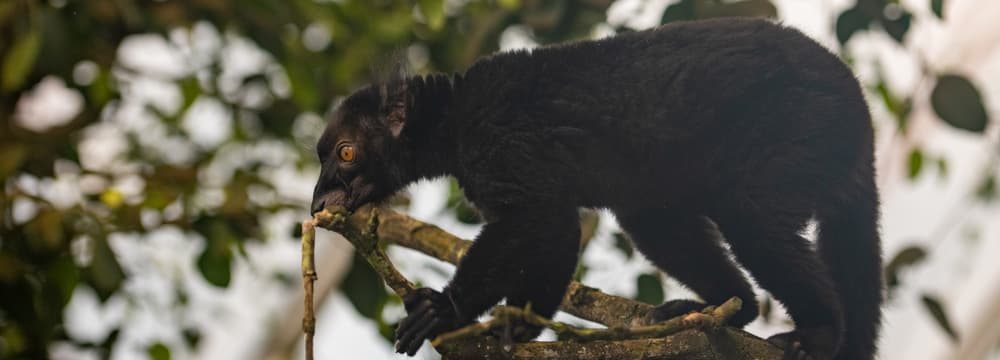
x=351, y=198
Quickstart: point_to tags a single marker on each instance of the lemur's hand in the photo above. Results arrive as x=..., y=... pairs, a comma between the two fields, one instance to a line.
x=429, y=313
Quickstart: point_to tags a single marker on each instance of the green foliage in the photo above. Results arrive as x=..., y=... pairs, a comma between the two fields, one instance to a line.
x=19, y=60
x=987, y=189
x=889, y=15
x=940, y=316
x=158, y=351
x=905, y=258
x=649, y=289
x=365, y=289
x=916, y=163
x=958, y=103
x=624, y=244
x=937, y=6
x=704, y=9
x=464, y=211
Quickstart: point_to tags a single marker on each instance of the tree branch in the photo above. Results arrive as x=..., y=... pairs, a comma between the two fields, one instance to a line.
x=630, y=333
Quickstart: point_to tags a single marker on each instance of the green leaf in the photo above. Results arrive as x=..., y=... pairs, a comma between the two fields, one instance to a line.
x=433, y=11
x=20, y=60
x=215, y=261
x=916, y=163
x=900, y=109
x=62, y=276
x=104, y=274
x=624, y=244
x=364, y=288
x=958, y=103
x=158, y=352
x=933, y=306
x=987, y=190
x=6, y=8
x=464, y=212
x=650, y=289
x=745, y=8
x=897, y=27
x=942, y=164
x=12, y=155
x=215, y=265
x=680, y=11
x=45, y=233
x=937, y=6
x=851, y=21
x=766, y=309
x=192, y=337
x=907, y=257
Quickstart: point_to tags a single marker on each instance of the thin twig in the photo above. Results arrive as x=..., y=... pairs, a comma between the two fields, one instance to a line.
x=308, y=278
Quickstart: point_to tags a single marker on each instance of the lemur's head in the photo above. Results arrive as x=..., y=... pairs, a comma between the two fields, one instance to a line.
x=362, y=154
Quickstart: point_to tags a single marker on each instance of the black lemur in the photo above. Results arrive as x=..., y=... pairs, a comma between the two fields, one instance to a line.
x=737, y=127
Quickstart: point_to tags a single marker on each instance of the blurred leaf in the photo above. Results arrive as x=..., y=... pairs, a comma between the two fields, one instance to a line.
x=900, y=109
x=158, y=352
x=433, y=11
x=192, y=337
x=589, y=220
x=510, y=4
x=62, y=277
x=746, y=8
x=104, y=273
x=899, y=26
x=6, y=9
x=464, y=212
x=190, y=90
x=650, y=289
x=766, y=309
x=907, y=257
x=851, y=21
x=11, y=156
x=581, y=271
x=933, y=306
x=937, y=6
x=10, y=268
x=13, y=339
x=624, y=244
x=987, y=190
x=365, y=289
x=45, y=232
x=942, y=164
x=679, y=11
x=958, y=103
x=20, y=59
x=215, y=262
x=916, y=163
x=387, y=331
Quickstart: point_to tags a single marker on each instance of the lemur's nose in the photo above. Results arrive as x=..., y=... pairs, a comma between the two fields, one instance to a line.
x=318, y=205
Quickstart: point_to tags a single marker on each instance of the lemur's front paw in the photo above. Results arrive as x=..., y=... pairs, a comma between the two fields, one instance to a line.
x=806, y=344
x=429, y=313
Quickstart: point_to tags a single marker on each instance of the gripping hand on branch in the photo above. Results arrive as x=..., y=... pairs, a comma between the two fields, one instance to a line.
x=429, y=313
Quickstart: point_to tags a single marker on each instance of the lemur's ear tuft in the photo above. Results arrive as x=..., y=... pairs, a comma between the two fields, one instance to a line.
x=393, y=107
x=391, y=75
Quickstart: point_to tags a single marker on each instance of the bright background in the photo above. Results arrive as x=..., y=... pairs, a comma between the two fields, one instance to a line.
x=157, y=155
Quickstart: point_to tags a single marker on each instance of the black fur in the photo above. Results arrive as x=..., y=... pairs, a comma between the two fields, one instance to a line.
x=732, y=126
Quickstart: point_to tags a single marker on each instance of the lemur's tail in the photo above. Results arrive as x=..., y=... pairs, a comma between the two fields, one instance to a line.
x=849, y=245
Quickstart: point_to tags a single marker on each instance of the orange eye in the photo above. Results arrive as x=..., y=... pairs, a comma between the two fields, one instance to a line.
x=346, y=153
